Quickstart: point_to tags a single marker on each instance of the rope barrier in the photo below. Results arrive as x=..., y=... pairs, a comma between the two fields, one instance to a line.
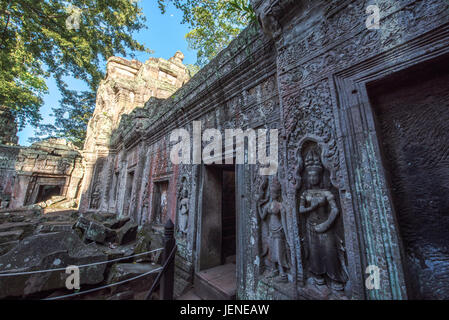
x=4, y=274
x=158, y=278
x=105, y=286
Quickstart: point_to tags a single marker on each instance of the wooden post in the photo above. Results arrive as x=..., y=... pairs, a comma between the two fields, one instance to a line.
x=168, y=278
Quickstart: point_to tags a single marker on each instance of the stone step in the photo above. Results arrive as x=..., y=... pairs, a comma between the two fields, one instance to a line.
x=9, y=236
x=218, y=283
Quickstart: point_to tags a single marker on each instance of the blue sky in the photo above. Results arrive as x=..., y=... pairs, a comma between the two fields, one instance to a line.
x=165, y=35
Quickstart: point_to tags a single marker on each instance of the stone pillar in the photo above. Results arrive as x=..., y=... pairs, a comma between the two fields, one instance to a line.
x=143, y=203
x=89, y=164
x=20, y=190
x=75, y=180
x=122, y=185
x=136, y=193
x=108, y=175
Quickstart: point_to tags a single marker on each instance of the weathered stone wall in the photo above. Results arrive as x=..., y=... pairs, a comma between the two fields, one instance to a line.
x=326, y=57
x=127, y=86
x=52, y=162
x=238, y=89
x=8, y=156
x=307, y=76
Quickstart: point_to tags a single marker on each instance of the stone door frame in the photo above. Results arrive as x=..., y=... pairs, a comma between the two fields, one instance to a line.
x=61, y=181
x=239, y=227
x=371, y=231
x=155, y=191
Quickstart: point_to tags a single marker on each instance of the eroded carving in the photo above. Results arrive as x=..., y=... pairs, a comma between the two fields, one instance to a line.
x=95, y=198
x=274, y=215
x=183, y=207
x=319, y=212
x=270, y=12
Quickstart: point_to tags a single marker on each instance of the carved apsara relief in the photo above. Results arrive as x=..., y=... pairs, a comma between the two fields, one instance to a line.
x=96, y=191
x=273, y=236
x=183, y=206
x=319, y=220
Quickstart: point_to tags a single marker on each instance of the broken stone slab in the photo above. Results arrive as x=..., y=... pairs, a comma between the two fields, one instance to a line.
x=124, y=271
x=23, y=216
x=50, y=227
x=4, y=216
x=99, y=233
x=127, y=233
x=147, y=240
x=82, y=224
x=102, y=217
x=68, y=204
x=48, y=251
x=93, y=231
x=126, y=295
x=5, y=247
x=117, y=252
x=59, y=216
x=26, y=227
x=117, y=223
x=9, y=236
x=120, y=231
x=52, y=201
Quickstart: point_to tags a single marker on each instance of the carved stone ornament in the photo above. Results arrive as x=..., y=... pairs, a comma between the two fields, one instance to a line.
x=270, y=12
x=183, y=207
x=273, y=215
x=95, y=197
x=319, y=214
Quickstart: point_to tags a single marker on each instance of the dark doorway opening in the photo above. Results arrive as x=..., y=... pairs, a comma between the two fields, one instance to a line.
x=128, y=193
x=216, y=278
x=412, y=120
x=228, y=218
x=46, y=192
x=160, y=202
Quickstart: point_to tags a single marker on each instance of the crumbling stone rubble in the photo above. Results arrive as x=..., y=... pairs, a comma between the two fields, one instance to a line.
x=32, y=240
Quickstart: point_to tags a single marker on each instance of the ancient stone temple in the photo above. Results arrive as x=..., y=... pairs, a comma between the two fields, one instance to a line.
x=35, y=174
x=127, y=86
x=362, y=180
x=54, y=167
x=358, y=206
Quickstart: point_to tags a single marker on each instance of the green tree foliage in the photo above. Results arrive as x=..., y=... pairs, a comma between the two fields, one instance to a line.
x=61, y=38
x=213, y=23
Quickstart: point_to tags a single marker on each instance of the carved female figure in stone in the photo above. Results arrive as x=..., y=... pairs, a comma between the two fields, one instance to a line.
x=183, y=212
x=321, y=208
x=274, y=213
x=95, y=198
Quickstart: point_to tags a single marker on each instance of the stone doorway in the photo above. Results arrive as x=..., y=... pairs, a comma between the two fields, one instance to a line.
x=216, y=276
x=160, y=202
x=128, y=193
x=47, y=192
x=43, y=188
x=412, y=120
